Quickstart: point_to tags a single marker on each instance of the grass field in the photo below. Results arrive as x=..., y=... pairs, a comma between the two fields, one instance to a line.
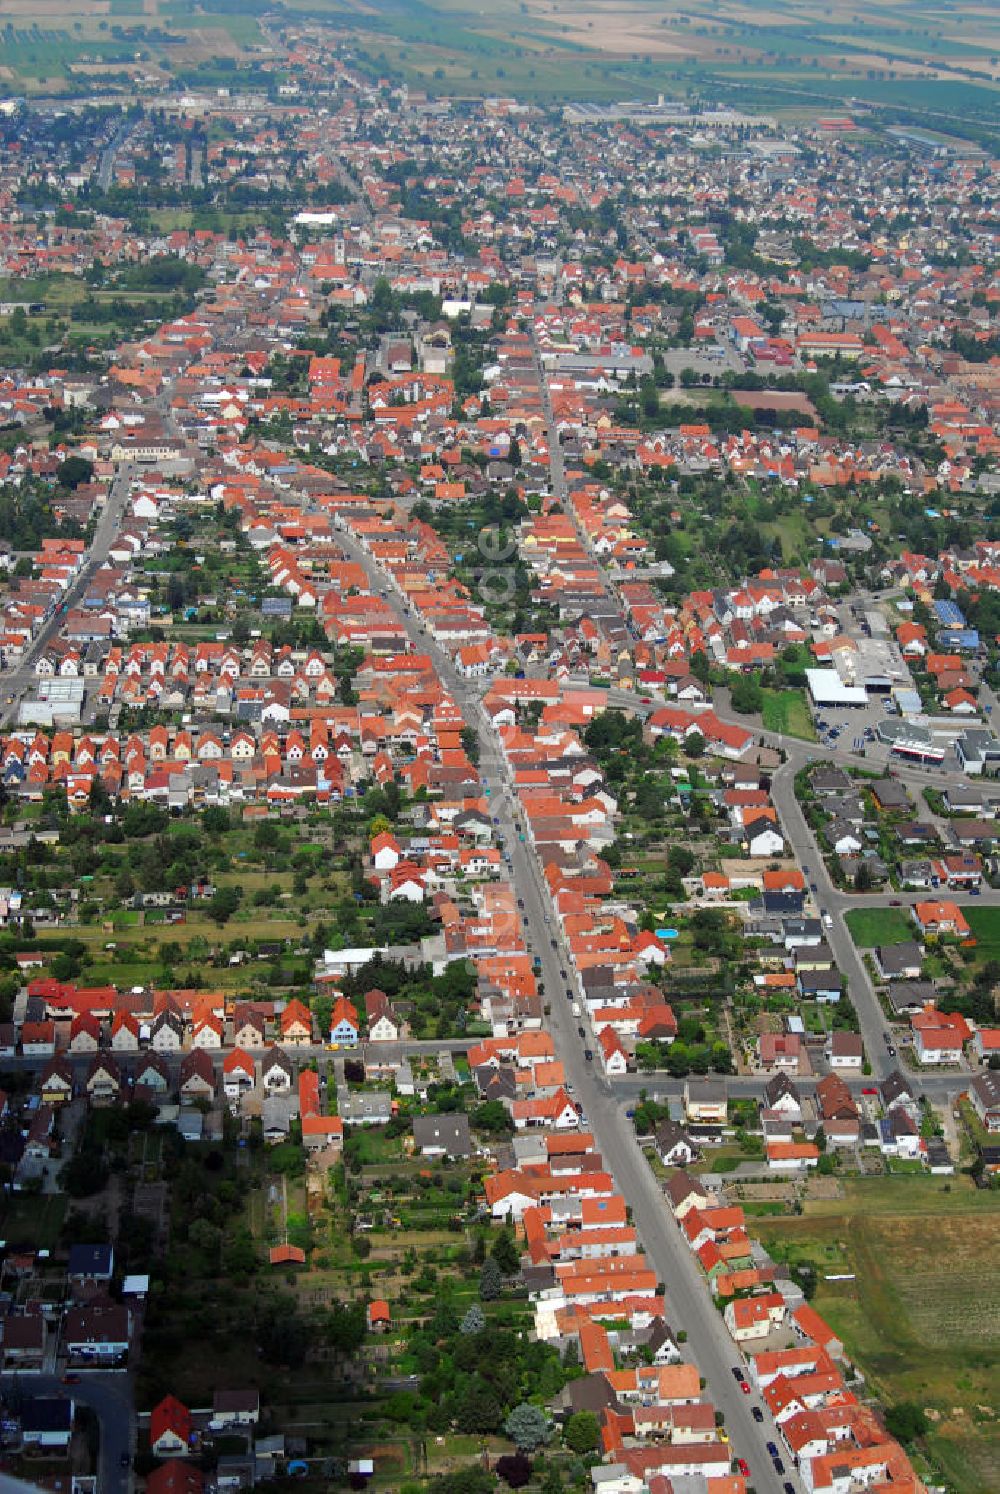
x=922, y=1317
x=985, y=925
x=906, y=53
x=872, y=926
x=26, y=1220
x=786, y=711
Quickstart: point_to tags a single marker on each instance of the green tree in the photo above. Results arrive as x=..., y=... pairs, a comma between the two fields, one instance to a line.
x=582, y=1433
x=527, y=1427
x=505, y=1253
x=490, y=1280
x=224, y=904
x=474, y=1321
x=906, y=1421
x=74, y=471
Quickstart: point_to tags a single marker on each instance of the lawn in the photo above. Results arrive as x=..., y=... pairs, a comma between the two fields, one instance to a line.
x=786, y=711
x=985, y=925
x=922, y=1317
x=30, y=1220
x=872, y=926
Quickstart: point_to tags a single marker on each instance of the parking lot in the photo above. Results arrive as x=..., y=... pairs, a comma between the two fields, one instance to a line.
x=855, y=729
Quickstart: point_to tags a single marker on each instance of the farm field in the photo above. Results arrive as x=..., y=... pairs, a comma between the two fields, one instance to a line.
x=907, y=53
x=920, y=1256
x=904, y=53
x=786, y=711
x=872, y=926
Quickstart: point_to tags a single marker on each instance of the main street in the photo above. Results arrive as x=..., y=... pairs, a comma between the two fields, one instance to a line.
x=689, y=1303
x=14, y=681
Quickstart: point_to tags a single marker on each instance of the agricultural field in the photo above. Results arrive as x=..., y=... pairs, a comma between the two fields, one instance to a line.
x=903, y=53
x=872, y=926
x=783, y=56
x=921, y=1250
x=57, y=46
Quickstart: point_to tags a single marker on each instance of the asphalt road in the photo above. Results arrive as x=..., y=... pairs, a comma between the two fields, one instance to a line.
x=15, y=681
x=689, y=1303
x=109, y=1396
x=108, y=154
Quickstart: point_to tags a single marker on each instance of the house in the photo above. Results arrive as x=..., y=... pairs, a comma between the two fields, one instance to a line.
x=378, y=1316
x=673, y=1145
x=171, y=1429
x=762, y=838
x=442, y=1135
x=47, y=1423
x=938, y=1037
x=383, y=1024
x=684, y=1194
x=197, y=1077
x=934, y=918
x=238, y=1073
x=844, y=1052
x=234, y=1408
x=749, y=1318
x=899, y=961
x=782, y=1097
x=104, y=1081
x=780, y=1050
x=276, y=1071
x=838, y=1112
x=984, y=1096
x=986, y=1044
x=286, y=1255
x=367, y=1108
x=97, y=1332
x=296, y=1025
x=705, y=1101
x=153, y=1074
x=613, y=1054
x=344, y=1025
x=167, y=1033
x=56, y=1082
x=89, y=1263
x=276, y=1113
x=22, y=1342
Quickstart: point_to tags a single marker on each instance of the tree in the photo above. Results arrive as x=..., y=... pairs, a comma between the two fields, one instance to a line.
x=527, y=1427
x=514, y=1469
x=477, y=1408
x=73, y=471
x=224, y=904
x=746, y=696
x=506, y=1255
x=582, y=1433
x=474, y=1321
x=493, y=1117
x=490, y=1280
x=906, y=1421
x=84, y=1174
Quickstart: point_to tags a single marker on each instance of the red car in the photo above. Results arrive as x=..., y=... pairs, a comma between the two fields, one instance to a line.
x=743, y=1466
x=745, y=1387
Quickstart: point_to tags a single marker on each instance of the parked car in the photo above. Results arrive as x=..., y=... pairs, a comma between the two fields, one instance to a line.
x=756, y=1413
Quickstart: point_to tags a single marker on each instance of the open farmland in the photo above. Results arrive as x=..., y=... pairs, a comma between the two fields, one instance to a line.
x=785, y=56
x=919, y=1255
